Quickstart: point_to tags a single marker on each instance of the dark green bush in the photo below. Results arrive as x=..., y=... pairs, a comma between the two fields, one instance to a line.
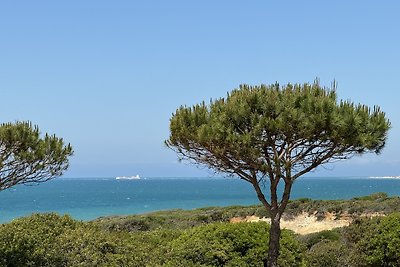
x=314, y=238
x=225, y=244
x=376, y=241
x=326, y=254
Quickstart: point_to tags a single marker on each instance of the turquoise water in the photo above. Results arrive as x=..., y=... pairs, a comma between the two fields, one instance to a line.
x=87, y=199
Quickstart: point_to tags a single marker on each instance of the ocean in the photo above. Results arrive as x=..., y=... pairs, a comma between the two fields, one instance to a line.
x=90, y=198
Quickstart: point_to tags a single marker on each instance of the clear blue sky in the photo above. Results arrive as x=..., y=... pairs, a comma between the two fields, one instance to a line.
x=107, y=75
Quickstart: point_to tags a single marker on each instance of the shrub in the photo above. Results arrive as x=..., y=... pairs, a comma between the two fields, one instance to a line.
x=29, y=241
x=90, y=246
x=86, y=246
x=380, y=196
x=224, y=244
x=54, y=240
x=327, y=235
x=377, y=240
x=326, y=254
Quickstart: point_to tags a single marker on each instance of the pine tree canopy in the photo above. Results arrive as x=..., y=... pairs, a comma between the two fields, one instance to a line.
x=25, y=157
x=276, y=131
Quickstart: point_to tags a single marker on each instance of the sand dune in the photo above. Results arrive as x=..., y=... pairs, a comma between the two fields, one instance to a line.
x=305, y=223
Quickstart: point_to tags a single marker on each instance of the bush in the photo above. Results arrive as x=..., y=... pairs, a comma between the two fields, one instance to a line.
x=380, y=196
x=29, y=241
x=376, y=240
x=53, y=240
x=326, y=254
x=89, y=245
x=311, y=239
x=86, y=246
x=128, y=224
x=177, y=219
x=224, y=244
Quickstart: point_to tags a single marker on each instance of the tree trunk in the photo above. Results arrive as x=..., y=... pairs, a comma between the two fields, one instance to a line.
x=274, y=236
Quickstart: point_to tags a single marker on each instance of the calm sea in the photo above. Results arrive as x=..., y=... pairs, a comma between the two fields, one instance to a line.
x=87, y=199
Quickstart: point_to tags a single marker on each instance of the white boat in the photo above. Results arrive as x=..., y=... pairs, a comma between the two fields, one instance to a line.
x=136, y=177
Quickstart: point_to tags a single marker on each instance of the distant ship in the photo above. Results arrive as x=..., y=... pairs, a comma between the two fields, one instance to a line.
x=136, y=177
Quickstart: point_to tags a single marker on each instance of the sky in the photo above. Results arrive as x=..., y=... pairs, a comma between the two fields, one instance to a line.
x=107, y=75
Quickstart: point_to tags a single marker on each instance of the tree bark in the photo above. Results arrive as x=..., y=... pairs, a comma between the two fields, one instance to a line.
x=274, y=236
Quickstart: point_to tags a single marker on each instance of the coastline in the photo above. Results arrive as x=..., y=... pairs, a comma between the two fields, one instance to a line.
x=88, y=199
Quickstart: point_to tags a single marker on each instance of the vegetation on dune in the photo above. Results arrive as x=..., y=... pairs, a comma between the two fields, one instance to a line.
x=375, y=203
x=177, y=219
x=202, y=237
x=375, y=242
x=30, y=241
x=224, y=244
x=183, y=219
x=52, y=240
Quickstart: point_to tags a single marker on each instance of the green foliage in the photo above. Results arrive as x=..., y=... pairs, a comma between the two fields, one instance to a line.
x=263, y=134
x=54, y=240
x=375, y=203
x=183, y=219
x=28, y=241
x=25, y=157
x=376, y=240
x=328, y=235
x=177, y=219
x=238, y=132
x=221, y=244
x=380, y=196
x=91, y=246
x=86, y=246
x=326, y=254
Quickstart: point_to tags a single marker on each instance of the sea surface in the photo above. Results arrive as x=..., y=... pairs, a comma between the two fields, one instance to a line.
x=90, y=198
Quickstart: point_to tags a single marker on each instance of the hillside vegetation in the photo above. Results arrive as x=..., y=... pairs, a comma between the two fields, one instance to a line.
x=378, y=203
x=205, y=237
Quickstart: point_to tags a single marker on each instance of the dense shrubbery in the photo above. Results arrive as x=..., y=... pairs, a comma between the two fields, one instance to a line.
x=30, y=241
x=366, y=242
x=326, y=254
x=378, y=202
x=241, y=244
x=327, y=235
x=376, y=241
x=201, y=237
x=182, y=219
x=52, y=240
x=177, y=219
